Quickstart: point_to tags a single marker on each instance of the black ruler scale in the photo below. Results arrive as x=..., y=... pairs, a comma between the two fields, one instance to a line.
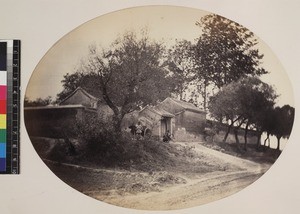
x=13, y=107
x=15, y=129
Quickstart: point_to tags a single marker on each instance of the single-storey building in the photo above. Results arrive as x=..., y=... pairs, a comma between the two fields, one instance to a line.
x=157, y=120
x=187, y=115
x=178, y=117
x=82, y=97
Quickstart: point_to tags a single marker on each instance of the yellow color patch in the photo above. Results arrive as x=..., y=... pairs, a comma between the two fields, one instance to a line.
x=2, y=121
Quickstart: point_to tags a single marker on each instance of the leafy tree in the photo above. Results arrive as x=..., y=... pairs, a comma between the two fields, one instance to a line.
x=225, y=51
x=257, y=101
x=129, y=75
x=243, y=102
x=284, y=119
x=269, y=125
x=225, y=106
x=181, y=65
x=70, y=83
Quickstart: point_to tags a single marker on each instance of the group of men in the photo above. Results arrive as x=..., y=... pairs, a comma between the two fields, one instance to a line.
x=139, y=131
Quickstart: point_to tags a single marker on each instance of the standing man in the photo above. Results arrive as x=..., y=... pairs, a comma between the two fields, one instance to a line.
x=139, y=130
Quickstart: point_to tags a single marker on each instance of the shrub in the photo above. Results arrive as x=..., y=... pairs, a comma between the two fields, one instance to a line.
x=96, y=135
x=100, y=145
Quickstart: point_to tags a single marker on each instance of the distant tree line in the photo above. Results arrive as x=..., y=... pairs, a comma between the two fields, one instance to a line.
x=38, y=102
x=249, y=102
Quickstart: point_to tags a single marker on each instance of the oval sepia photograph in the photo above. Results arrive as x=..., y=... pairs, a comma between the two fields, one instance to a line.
x=159, y=108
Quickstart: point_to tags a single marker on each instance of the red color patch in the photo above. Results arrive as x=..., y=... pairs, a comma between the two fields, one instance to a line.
x=2, y=106
x=3, y=92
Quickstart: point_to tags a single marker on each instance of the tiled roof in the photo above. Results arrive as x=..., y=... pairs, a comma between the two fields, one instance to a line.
x=186, y=105
x=159, y=111
x=83, y=91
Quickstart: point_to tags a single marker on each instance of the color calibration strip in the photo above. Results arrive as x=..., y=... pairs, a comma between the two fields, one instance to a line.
x=9, y=106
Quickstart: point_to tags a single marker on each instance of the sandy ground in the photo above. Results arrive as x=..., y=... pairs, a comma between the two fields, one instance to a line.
x=195, y=191
x=165, y=190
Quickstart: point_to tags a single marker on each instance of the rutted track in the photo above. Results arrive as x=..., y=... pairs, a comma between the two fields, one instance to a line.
x=182, y=190
x=206, y=188
x=193, y=193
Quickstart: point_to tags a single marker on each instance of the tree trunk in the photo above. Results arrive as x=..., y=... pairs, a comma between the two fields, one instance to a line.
x=118, y=113
x=236, y=136
x=267, y=139
x=117, y=120
x=109, y=102
x=245, y=137
x=258, y=142
x=229, y=127
x=227, y=133
x=181, y=93
x=278, y=142
x=205, y=96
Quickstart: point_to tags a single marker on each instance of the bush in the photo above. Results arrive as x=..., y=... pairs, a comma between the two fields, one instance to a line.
x=96, y=136
x=59, y=152
x=101, y=145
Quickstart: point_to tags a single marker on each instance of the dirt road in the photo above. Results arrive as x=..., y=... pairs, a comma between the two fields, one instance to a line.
x=200, y=189
x=206, y=175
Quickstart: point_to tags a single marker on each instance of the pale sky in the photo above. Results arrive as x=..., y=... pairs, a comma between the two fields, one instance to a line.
x=164, y=24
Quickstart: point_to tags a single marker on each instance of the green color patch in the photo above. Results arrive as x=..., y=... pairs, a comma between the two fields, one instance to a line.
x=2, y=135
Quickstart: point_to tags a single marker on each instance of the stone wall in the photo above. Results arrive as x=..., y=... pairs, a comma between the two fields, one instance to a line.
x=54, y=122
x=192, y=122
x=182, y=135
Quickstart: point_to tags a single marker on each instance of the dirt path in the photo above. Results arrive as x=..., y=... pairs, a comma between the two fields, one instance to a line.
x=200, y=190
x=165, y=190
x=196, y=192
x=226, y=158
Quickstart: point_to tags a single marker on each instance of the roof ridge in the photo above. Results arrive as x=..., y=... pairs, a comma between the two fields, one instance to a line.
x=77, y=89
x=159, y=111
x=185, y=104
x=87, y=93
x=179, y=102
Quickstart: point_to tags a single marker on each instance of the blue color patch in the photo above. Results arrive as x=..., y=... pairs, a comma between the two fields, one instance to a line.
x=2, y=164
x=2, y=150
